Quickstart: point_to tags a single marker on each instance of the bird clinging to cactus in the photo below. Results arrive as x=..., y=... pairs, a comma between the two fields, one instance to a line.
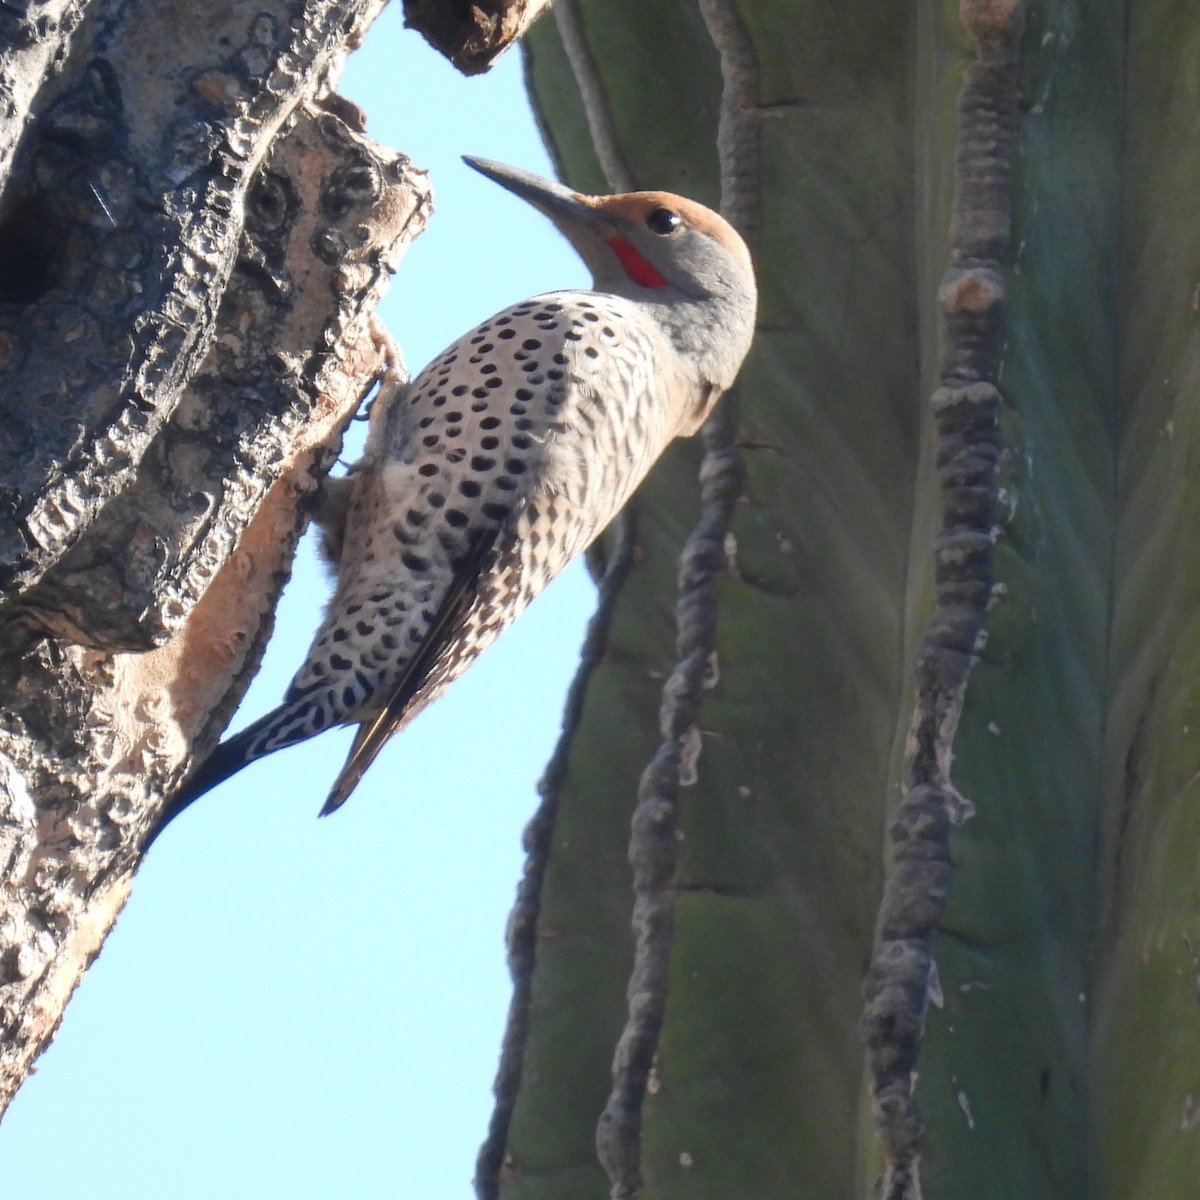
x=505, y=458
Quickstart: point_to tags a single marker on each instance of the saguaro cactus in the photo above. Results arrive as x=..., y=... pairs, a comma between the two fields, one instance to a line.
x=946, y=743
x=193, y=233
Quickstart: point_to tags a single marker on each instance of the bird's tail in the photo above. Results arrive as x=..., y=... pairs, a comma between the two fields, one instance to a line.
x=227, y=759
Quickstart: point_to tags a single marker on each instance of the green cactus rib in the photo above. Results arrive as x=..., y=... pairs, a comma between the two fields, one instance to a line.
x=966, y=408
x=1144, y=997
x=1055, y=1049
x=778, y=838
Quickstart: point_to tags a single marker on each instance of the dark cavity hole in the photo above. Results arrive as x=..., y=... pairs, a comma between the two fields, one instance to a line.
x=30, y=244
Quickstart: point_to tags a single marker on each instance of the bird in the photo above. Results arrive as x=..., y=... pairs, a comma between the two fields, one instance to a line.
x=504, y=459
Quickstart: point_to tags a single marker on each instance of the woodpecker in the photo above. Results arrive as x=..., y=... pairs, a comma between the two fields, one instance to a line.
x=505, y=458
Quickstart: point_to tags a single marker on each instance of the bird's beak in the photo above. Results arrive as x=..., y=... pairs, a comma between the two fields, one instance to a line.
x=557, y=201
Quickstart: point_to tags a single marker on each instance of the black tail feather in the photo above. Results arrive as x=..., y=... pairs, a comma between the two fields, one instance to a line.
x=226, y=760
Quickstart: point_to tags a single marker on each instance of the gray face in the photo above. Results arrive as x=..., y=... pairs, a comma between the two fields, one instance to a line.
x=641, y=243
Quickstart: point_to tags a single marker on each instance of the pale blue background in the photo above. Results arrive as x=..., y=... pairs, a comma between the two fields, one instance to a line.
x=299, y=1008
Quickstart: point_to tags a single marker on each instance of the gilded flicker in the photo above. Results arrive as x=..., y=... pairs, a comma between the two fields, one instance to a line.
x=505, y=458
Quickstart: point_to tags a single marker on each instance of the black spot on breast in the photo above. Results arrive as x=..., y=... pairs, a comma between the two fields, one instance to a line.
x=456, y=518
x=489, y=423
x=506, y=484
x=495, y=512
x=524, y=423
x=388, y=641
x=531, y=344
x=481, y=462
x=488, y=369
x=414, y=516
x=427, y=469
x=494, y=382
x=523, y=394
x=591, y=352
x=489, y=443
x=470, y=488
x=514, y=466
x=425, y=422
x=517, y=410
x=339, y=662
x=364, y=629
x=454, y=431
x=561, y=359
x=459, y=389
x=554, y=375
x=507, y=333
x=480, y=393
x=340, y=634
x=414, y=562
x=522, y=441
x=436, y=499
x=430, y=440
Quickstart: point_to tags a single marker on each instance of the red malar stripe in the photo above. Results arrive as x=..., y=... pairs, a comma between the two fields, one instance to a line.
x=639, y=269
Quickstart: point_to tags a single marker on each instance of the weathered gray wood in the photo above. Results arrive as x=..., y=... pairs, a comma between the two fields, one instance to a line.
x=193, y=237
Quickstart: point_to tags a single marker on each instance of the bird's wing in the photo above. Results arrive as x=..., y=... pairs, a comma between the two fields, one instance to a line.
x=447, y=620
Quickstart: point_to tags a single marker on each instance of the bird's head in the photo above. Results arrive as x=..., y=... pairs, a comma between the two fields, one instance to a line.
x=651, y=246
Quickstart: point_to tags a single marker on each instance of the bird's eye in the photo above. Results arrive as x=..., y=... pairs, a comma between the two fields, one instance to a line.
x=663, y=221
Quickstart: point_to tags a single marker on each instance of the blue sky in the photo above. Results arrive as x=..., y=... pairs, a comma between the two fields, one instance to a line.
x=303, y=1008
